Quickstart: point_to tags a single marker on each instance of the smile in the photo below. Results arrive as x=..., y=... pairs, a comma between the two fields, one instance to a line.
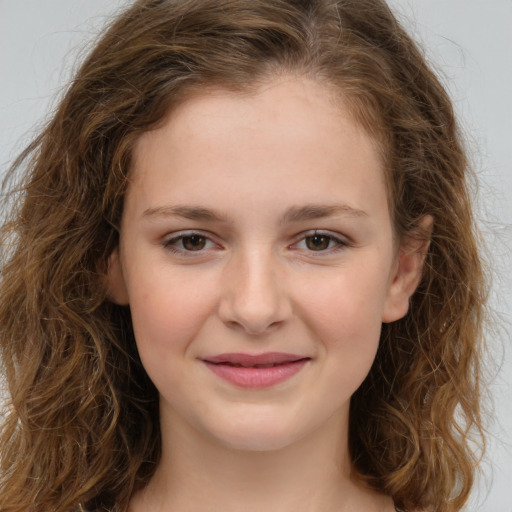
x=255, y=371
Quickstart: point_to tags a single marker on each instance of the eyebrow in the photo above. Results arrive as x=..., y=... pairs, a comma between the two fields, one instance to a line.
x=293, y=214
x=317, y=211
x=186, y=212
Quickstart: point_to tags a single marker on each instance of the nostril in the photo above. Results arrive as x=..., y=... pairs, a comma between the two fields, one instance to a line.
x=253, y=329
x=253, y=312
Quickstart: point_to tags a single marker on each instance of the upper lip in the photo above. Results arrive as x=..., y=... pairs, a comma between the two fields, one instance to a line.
x=254, y=359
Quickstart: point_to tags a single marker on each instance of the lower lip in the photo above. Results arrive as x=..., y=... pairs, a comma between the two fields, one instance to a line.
x=256, y=377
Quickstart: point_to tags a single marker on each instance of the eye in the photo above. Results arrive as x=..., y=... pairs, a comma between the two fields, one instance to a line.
x=320, y=242
x=193, y=242
x=189, y=242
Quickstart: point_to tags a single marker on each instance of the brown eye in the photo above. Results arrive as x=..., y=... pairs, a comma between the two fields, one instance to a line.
x=317, y=242
x=194, y=242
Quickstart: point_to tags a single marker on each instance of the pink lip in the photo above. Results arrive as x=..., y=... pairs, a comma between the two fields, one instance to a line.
x=246, y=371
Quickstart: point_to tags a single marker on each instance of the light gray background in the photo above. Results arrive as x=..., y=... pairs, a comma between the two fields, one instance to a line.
x=470, y=43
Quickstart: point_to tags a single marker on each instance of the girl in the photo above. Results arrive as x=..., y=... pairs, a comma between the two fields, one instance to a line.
x=241, y=273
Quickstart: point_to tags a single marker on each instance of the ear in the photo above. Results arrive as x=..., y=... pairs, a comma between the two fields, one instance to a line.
x=406, y=275
x=115, y=283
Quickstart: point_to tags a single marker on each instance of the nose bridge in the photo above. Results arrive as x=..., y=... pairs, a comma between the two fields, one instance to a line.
x=254, y=295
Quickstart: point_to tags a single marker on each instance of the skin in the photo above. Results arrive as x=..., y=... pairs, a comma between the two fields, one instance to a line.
x=270, y=168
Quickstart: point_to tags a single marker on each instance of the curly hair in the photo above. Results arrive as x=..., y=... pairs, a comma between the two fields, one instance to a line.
x=81, y=429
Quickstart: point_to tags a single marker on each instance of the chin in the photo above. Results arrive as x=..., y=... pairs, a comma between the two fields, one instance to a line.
x=256, y=436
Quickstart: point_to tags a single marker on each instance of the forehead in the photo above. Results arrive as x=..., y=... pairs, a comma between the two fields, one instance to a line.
x=284, y=99
x=295, y=133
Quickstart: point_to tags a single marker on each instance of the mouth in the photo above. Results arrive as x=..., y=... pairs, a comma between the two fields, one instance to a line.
x=256, y=371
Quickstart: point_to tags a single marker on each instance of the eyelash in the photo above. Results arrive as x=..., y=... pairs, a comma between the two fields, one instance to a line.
x=171, y=244
x=339, y=243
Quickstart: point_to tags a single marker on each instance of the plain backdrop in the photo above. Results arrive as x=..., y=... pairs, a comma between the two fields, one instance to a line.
x=470, y=44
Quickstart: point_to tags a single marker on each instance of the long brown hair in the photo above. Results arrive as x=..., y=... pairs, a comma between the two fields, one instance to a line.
x=81, y=429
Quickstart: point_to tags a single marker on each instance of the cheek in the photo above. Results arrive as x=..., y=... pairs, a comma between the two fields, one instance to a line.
x=344, y=314
x=167, y=312
x=348, y=300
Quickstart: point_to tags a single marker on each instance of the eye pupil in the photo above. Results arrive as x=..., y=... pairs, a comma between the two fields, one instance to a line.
x=194, y=242
x=317, y=242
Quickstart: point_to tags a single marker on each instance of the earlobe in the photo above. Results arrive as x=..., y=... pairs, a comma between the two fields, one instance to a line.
x=408, y=270
x=115, y=283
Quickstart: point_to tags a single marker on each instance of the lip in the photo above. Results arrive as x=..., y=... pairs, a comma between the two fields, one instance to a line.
x=255, y=370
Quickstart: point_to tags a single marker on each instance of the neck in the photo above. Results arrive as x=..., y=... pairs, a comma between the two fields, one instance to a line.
x=197, y=473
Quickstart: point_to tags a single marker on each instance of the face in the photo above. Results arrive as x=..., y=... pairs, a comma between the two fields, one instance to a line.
x=258, y=260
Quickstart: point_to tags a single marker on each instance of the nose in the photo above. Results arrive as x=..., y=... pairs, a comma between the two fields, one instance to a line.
x=254, y=296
